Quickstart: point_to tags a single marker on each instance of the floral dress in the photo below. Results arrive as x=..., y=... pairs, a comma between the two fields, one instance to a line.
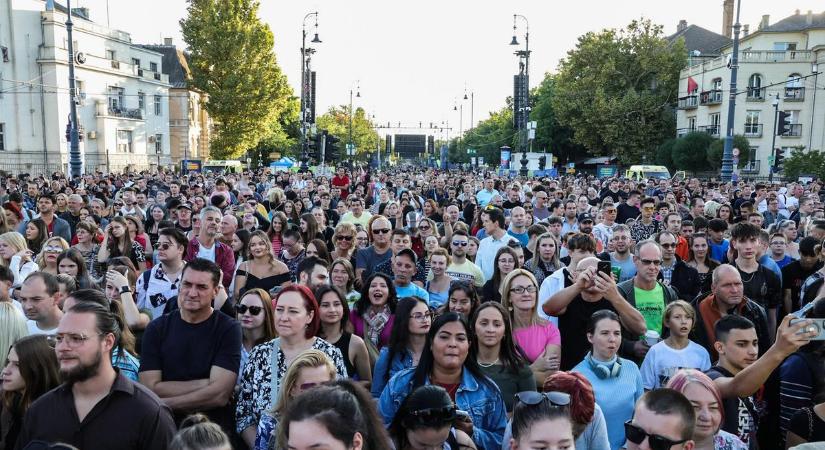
x=255, y=396
x=726, y=441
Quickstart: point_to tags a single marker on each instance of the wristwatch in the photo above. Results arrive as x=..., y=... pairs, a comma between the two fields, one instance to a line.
x=125, y=289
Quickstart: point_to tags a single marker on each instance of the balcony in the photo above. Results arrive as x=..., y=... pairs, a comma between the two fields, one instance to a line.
x=712, y=97
x=775, y=56
x=795, y=131
x=794, y=94
x=688, y=102
x=756, y=94
x=712, y=130
x=683, y=131
x=753, y=130
x=127, y=113
x=115, y=64
x=751, y=167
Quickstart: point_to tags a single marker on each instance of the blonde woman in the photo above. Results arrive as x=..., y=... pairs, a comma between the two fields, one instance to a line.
x=15, y=254
x=4, y=225
x=52, y=248
x=344, y=240
x=262, y=270
x=539, y=338
x=309, y=369
x=12, y=327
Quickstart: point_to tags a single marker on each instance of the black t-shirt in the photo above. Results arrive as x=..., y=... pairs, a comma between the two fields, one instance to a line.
x=185, y=352
x=510, y=205
x=741, y=416
x=793, y=275
x=762, y=286
x=573, y=325
x=624, y=212
x=807, y=425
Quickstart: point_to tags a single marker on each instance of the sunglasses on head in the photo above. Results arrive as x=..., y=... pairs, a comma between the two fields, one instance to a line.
x=533, y=398
x=254, y=310
x=434, y=415
x=637, y=435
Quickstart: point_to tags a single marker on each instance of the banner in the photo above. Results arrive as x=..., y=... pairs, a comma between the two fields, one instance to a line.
x=505, y=159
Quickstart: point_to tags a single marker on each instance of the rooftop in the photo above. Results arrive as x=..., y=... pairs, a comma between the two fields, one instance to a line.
x=699, y=39
x=174, y=64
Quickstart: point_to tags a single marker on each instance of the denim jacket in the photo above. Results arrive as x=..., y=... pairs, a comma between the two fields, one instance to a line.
x=400, y=361
x=481, y=400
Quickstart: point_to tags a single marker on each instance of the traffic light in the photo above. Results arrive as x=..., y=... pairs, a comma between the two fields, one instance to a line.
x=542, y=162
x=332, y=151
x=315, y=146
x=778, y=158
x=783, y=126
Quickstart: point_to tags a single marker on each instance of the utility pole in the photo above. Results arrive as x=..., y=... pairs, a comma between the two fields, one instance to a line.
x=75, y=164
x=773, y=138
x=727, y=155
x=305, y=86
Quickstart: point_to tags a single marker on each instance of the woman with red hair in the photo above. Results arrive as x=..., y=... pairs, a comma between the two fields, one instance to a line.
x=589, y=427
x=297, y=322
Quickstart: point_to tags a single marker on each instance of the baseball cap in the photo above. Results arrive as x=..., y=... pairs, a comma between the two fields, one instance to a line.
x=585, y=217
x=410, y=253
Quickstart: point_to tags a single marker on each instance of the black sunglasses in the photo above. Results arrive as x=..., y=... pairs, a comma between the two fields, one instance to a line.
x=637, y=435
x=533, y=398
x=434, y=415
x=254, y=310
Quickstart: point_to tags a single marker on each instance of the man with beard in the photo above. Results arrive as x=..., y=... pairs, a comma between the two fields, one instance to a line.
x=205, y=245
x=621, y=261
x=461, y=268
x=190, y=357
x=55, y=225
x=586, y=227
x=96, y=406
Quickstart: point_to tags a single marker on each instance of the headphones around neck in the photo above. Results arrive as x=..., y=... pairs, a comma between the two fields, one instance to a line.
x=602, y=370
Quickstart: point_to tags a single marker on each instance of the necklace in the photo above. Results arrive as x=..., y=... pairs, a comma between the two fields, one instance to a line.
x=488, y=365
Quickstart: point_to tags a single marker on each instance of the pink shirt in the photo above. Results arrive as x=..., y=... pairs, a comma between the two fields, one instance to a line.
x=535, y=338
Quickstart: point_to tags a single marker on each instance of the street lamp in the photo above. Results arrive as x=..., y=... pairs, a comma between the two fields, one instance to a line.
x=815, y=71
x=75, y=164
x=305, y=85
x=727, y=155
x=350, y=147
x=522, y=104
x=775, y=103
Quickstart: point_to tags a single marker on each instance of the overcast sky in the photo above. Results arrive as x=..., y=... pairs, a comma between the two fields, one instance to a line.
x=413, y=59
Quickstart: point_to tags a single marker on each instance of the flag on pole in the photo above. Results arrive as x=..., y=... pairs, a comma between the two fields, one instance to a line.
x=692, y=85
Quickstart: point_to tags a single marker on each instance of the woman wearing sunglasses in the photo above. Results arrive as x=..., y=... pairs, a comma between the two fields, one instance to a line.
x=254, y=312
x=344, y=239
x=542, y=418
x=310, y=369
x=409, y=334
x=707, y=404
x=47, y=259
x=444, y=363
x=616, y=381
x=426, y=420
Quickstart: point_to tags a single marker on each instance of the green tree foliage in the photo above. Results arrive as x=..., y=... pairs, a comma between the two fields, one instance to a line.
x=282, y=133
x=490, y=134
x=800, y=162
x=690, y=151
x=616, y=89
x=232, y=60
x=364, y=136
x=717, y=149
x=550, y=134
x=664, y=154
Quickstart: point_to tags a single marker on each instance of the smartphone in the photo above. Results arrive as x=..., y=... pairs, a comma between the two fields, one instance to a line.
x=604, y=267
x=463, y=415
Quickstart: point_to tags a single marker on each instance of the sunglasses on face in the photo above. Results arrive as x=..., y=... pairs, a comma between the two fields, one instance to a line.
x=253, y=310
x=460, y=243
x=637, y=435
x=381, y=231
x=51, y=249
x=647, y=262
x=165, y=245
x=343, y=238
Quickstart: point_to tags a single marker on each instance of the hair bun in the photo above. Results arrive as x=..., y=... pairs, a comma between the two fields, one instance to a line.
x=194, y=419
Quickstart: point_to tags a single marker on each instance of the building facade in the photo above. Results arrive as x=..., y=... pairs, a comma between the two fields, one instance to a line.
x=122, y=94
x=780, y=69
x=190, y=127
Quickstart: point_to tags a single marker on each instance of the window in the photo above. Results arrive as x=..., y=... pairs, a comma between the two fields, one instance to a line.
x=794, y=115
x=691, y=123
x=158, y=110
x=716, y=84
x=755, y=87
x=794, y=81
x=141, y=101
x=116, y=95
x=2, y=136
x=714, y=119
x=111, y=54
x=124, y=141
x=158, y=144
x=752, y=126
x=784, y=46
x=80, y=91
x=136, y=62
x=153, y=66
x=4, y=51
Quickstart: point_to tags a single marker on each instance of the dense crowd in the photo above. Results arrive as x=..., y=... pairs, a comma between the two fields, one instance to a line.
x=409, y=309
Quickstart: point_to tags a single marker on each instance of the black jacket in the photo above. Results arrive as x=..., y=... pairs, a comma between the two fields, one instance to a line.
x=684, y=280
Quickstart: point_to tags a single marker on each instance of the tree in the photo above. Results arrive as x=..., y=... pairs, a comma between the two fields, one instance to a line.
x=550, y=134
x=616, y=90
x=233, y=62
x=691, y=150
x=801, y=162
x=664, y=154
x=336, y=121
x=717, y=149
x=489, y=135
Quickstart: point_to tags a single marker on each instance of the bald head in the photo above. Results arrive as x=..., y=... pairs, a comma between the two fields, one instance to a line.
x=590, y=261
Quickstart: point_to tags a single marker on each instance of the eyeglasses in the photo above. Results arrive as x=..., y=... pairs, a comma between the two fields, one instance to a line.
x=343, y=238
x=381, y=231
x=673, y=245
x=637, y=435
x=242, y=309
x=648, y=208
x=533, y=398
x=422, y=317
x=647, y=262
x=165, y=245
x=424, y=228
x=73, y=340
x=523, y=289
x=460, y=243
x=52, y=249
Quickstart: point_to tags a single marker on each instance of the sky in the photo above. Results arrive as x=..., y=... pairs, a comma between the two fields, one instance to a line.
x=413, y=60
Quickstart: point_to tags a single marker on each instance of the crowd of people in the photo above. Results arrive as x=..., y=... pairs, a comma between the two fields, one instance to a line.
x=410, y=309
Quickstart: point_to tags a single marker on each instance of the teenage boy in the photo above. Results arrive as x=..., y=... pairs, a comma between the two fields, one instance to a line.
x=717, y=242
x=647, y=226
x=760, y=283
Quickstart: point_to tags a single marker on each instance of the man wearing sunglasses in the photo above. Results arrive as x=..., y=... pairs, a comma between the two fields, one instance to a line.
x=675, y=273
x=368, y=258
x=461, y=268
x=663, y=420
x=160, y=284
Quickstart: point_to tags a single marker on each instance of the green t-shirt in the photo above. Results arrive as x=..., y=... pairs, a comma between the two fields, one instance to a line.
x=652, y=306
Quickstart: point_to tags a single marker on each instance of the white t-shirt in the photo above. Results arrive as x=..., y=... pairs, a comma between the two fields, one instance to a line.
x=207, y=252
x=34, y=329
x=662, y=361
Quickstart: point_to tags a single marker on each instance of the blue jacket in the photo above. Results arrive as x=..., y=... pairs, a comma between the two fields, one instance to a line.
x=400, y=361
x=482, y=400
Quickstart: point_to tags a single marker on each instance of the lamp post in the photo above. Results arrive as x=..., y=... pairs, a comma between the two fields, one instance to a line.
x=524, y=74
x=815, y=70
x=775, y=104
x=727, y=155
x=75, y=164
x=305, y=85
x=357, y=94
